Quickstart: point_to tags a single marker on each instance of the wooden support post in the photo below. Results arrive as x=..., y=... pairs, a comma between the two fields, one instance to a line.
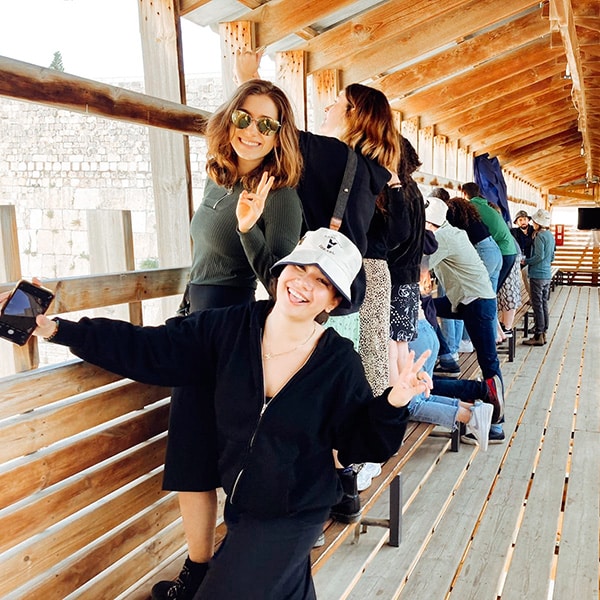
x=410, y=130
x=290, y=68
x=236, y=35
x=462, y=170
x=13, y=358
x=169, y=152
x=439, y=155
x=452, y=159
x=425, y=151
x=111, y=250
x=324, y=91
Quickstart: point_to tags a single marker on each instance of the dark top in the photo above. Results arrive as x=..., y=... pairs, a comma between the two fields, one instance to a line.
x=525, y=240
x=476, y=230
x=324, y=165
x=273, y=461
x=404, y=260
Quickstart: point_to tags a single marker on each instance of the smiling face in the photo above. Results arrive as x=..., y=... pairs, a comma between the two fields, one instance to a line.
x=335, y=117
x=304, y=291
x=249, y=144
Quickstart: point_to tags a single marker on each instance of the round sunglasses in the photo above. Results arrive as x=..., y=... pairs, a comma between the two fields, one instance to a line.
x=265, y=125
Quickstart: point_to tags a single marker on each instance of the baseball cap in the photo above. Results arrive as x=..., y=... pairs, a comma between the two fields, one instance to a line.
x=337, y=257
x=435, y=210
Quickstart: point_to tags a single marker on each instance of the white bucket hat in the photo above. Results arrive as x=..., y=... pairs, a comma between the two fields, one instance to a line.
x=435, y=210
x=331, y=251
x=541, y=217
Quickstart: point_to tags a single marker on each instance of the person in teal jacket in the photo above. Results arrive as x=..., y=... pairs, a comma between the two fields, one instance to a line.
x=540, y=275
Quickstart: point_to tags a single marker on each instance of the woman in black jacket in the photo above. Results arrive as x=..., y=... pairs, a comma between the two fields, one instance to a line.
x=285, y=391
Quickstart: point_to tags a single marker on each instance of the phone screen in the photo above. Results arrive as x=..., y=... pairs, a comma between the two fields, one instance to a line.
x=17, y=319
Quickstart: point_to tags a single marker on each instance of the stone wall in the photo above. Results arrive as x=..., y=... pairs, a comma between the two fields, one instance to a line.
x=55, y=165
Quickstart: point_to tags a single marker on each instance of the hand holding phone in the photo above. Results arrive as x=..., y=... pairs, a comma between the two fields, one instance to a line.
x=24, y=304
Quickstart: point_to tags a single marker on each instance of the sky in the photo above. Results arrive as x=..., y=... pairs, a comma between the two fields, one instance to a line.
x=92, y=44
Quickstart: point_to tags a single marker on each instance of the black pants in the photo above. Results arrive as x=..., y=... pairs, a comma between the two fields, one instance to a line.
x=263, y=559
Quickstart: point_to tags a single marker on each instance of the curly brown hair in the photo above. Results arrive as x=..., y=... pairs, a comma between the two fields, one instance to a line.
x=461, y=213
x=284, y=162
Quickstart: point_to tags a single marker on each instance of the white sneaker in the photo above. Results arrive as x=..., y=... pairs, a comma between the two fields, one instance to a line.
x=480, y=422
x=365, y=475
x=466, y=346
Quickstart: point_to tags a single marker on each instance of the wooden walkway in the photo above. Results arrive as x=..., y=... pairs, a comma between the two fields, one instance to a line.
x=520, y=522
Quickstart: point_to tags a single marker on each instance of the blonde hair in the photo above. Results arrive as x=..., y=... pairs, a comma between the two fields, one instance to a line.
x=284, y=162
x=370, y=127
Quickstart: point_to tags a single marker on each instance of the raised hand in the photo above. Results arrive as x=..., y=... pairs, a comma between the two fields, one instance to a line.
x=411, y=381
x=245, y=65
x=251, y=204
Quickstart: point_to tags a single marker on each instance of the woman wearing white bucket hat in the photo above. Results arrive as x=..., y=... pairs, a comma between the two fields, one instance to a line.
x=540, y=276
x=285, y=392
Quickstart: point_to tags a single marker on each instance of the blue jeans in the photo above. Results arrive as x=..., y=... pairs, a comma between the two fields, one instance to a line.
x=492, y=258
x=438, y=410
x=480, y=321
x=452, y=329
x=539, y=294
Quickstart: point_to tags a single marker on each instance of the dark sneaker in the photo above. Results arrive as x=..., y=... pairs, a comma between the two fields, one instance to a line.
x=508, y=333
x=494, y=437
x=349, y=509
x=185, y=586
x=480, y=422
x=447, y=368
x=495, y=396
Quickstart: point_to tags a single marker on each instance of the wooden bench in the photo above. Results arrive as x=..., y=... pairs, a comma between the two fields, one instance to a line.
x=81, y=451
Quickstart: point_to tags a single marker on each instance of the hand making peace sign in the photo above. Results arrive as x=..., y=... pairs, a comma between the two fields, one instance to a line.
x=251, y=204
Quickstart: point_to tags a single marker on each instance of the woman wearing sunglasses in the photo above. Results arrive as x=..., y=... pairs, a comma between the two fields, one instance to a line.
x=249, y=217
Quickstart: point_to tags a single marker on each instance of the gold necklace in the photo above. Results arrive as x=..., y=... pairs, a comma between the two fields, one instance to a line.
x=270, y=355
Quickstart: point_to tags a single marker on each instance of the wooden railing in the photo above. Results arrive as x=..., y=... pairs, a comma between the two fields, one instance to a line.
x=81, y=455
x=579, y=257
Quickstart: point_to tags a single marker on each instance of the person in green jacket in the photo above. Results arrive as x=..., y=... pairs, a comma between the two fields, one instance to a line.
x=498, y=228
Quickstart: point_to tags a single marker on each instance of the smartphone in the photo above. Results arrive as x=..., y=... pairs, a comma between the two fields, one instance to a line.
x=17, y=316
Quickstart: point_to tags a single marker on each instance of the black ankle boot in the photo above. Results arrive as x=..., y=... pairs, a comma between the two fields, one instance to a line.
x=348, y=510
x=185, y=586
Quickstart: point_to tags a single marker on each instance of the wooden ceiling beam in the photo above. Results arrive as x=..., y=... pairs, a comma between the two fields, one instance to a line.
x=545, y=92
x=341, y=45
x=277, y=19
x=548, y=143
x=493, y=144
x=561, y=15
x=465, y=55
x=187, y=6
x=453, y=26
x=506, y=146
x=533, y=61
x=493, y=94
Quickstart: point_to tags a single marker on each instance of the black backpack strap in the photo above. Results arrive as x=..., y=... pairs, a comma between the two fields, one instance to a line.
x=342, y=199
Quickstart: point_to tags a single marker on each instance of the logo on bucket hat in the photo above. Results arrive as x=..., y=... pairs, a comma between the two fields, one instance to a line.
x=337, y=257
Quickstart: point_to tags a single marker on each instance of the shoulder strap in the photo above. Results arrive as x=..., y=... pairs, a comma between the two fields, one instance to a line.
x=342, y=199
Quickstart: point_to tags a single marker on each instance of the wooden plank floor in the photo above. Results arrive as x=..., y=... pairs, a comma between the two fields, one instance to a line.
x=520, y=521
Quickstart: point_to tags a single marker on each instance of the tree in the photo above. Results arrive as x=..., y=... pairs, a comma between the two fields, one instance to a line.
x=57, y=62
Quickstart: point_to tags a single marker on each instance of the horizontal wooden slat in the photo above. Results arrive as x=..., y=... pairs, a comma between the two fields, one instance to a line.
x=40, y=470
x=36, y=388
x=72, y=536
x=50, y=507
x=38, y=429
